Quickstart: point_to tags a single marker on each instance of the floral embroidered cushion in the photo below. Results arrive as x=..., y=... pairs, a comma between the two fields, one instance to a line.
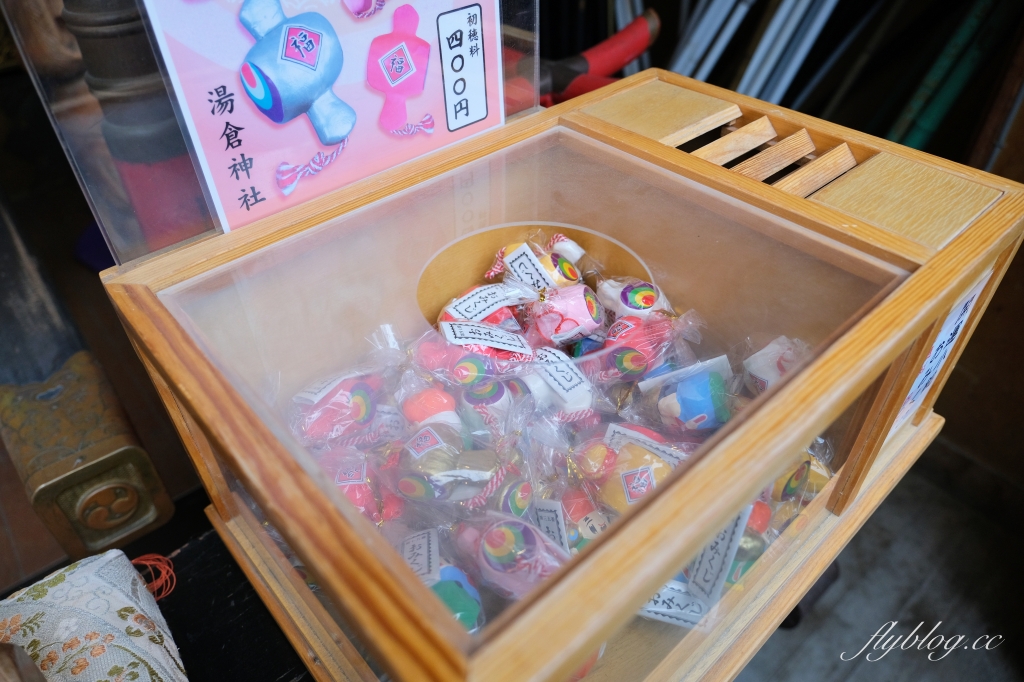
x=92, y=621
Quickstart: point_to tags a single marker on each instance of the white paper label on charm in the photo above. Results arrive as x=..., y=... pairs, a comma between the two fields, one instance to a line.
x=561, y=375
x=463, y=71
x=551, y=521
x=425, y=440
x=674, y=604
x=524, y=265
x=480, y=334
x=710, y=569
x=389, y=422
x=422, y=554
x=482, y=301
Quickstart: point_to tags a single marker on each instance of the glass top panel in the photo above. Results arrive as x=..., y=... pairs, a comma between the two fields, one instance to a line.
x=683, y=305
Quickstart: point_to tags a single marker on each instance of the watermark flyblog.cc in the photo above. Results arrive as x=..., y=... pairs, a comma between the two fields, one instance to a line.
x=938, y=645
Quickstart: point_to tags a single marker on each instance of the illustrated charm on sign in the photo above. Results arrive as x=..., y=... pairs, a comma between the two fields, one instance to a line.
x=290, y=71
x=397, y=66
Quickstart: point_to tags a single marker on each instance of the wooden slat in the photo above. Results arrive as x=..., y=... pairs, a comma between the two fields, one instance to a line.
x=885, y=407
x=827, y=135
x=737, y=143
x=883, y=244
x=909, y=198
x=813, y=176
x=772, y=160
x=663, y=112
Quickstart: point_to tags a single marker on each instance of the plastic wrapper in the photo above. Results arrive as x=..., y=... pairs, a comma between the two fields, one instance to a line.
x=348, y=470
x=491, y=303
x=337, y=409
x=559, y=388
x=510, y=555
x=540, y=266
x=765, y=367
x=631, y=297
x=695, y=398
x=426, y=554
x=563, y=316
x=463, y=353
x=352, y=407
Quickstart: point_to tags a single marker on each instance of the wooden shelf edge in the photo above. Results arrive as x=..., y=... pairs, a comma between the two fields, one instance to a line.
x=324, y=658
x=745, y=629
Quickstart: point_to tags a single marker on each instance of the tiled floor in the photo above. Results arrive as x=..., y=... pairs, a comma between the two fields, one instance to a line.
x=923, y=557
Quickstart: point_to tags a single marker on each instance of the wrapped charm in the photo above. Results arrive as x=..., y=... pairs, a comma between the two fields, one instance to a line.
x=510, y=555
x=540, y=267
x=696, y=402
x=563, y=316
x=336, y=408
x=765, y=367
x=636, y=471
x=631, y=297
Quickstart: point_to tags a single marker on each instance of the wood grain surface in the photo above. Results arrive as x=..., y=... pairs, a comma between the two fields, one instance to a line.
x=770, y=161
x=921, y=203
x=664, y=113
x=814, y=175
x=738, y=142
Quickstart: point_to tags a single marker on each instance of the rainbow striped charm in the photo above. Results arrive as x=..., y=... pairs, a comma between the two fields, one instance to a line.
x=516, y=498
x=473, y=370
x=564, y=268
x=639, y=296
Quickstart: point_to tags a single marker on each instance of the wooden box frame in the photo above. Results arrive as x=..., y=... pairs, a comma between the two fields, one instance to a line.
x=549, y=634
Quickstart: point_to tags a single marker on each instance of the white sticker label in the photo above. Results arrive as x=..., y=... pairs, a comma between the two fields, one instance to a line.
x=421, y=552
x=941, y=348
x=618, y=435
x=482, y=301
x=319, y=389
x=711, y=567
x=463, y=72
x=561, y=374
x=637, y=483
x=674, y=604
x=524, y=265
x=389, y=422
x=619, y=328
x=480, y=334
x=353, y=471
x=551, y=521
x=423, y=442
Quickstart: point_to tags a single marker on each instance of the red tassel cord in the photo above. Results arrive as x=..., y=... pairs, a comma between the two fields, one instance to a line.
x=288, y=176
x=426, y=125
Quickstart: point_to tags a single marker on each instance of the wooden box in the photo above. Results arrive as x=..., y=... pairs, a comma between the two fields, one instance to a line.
x=881, y=258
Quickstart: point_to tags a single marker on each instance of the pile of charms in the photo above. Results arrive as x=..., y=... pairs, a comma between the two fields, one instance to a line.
x=541, y=408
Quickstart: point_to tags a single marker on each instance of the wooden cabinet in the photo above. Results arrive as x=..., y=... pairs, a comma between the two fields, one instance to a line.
x=764, y=220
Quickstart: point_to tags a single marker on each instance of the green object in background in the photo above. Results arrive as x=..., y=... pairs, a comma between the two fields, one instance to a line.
x=987, y=39
x=942, y=66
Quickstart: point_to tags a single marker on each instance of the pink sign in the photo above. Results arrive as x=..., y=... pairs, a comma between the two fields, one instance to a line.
x=287, y=100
